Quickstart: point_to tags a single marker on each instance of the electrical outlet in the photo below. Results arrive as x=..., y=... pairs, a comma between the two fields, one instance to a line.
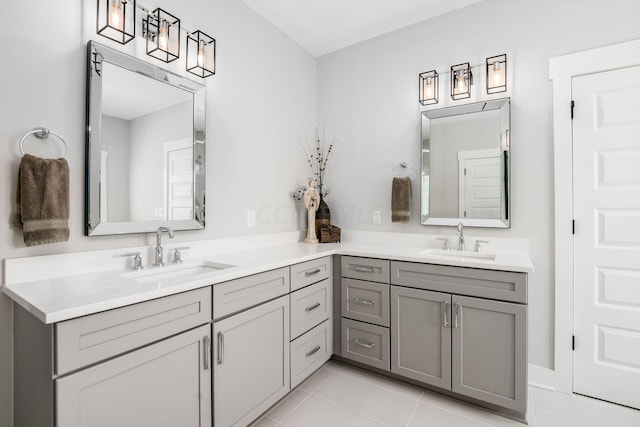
x=377, y=217
x=251, y=218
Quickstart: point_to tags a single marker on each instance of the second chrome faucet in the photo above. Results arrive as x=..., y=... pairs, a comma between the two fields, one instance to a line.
x=461, y=237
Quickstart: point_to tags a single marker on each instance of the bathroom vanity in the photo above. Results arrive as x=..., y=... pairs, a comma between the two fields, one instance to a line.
x=194, y=345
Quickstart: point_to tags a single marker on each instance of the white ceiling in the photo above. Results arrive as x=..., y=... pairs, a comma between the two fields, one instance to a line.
x=324, y=26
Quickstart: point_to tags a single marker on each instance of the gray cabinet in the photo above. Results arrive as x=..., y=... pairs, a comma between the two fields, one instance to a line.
x=251, y=362
x=490, y=351
x=421, y=336
x=475, y=347
x=162, y=385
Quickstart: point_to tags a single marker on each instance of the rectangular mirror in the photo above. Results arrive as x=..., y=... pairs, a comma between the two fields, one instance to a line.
x=145, y=146
x=466, y=165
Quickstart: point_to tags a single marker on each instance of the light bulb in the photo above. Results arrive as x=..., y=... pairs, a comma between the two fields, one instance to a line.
x=201, y=54
x=115, y=17
x=163, y=36
x=497, y=75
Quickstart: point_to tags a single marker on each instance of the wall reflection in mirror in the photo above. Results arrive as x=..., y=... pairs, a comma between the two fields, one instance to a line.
x=465, y=165
x=146, y=146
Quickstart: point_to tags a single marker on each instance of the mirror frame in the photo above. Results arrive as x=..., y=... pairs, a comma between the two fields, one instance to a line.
x=494, y=104
x=96, y=53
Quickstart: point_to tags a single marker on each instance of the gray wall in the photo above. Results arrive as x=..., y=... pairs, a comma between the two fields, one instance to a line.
x=368, y=94
x=115, y=140
x=261, y=98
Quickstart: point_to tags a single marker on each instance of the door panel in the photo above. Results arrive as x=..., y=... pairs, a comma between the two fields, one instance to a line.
x=251, y=362
x=421, y=335
x=606, y=157
x=489, y=348
x=165, y=384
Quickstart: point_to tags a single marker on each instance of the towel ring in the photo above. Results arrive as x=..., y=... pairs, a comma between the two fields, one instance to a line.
x=403, y=166
x=43, y=133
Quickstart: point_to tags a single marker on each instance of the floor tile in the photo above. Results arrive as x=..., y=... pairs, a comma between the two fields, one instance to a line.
x=266, y=422
x=317, y=412
x=288, y=404
x=370, y=400
x=377, y=380
x=312, y=383
x=428, y=415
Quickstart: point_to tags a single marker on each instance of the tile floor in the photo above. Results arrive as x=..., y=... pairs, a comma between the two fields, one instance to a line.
x=339, y=395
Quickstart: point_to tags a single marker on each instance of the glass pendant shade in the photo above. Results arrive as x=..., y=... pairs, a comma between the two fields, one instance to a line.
x=497, y=74
x=201, y=54
x=461, y=81
x=428, y=82
x=116, y=20
x=163, y=35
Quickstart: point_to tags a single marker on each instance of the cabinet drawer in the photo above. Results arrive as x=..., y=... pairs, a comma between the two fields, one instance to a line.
x=87, y=340
x=365, y=343
x=236, y=295
x=499, y=285
x=365, y=301
x=310, y=306
x=309, y=272
x=310, y=351
x=374, y=270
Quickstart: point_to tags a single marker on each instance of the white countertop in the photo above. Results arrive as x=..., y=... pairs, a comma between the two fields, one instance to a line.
x=66, y=297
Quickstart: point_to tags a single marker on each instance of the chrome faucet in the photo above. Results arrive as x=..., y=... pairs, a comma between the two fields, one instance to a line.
x=158, y=259
x=461, y=237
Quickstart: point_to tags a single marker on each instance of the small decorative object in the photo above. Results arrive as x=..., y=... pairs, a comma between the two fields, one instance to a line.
x=311, y=202
x=329, y=234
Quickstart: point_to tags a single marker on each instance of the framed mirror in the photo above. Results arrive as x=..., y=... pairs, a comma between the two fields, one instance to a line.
x=466, y=165
x=145, y=146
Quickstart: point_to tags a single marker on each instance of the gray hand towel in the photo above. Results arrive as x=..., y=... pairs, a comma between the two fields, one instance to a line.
x=401, y=199
x=42, y=200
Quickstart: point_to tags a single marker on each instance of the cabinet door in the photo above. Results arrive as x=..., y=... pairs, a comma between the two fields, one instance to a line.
x=421, y=335
x=251, y=362
x=164, y=384
x=490, y=351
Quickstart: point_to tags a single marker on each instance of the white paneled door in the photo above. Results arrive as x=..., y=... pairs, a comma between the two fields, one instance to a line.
x=606, y=189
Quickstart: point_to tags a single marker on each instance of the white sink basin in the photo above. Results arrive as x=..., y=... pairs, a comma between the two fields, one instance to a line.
x=452, y=254
x=186, y=271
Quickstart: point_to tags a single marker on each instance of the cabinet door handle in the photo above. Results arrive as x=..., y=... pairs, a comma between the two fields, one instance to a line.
x=456, y=323
x=363, y=344
x=313, y=351
x=205, y=350
x=445, y=304
x=363, y=269
x=220, y=360
x=312, y=307
x=363, y=301
x=312, y=272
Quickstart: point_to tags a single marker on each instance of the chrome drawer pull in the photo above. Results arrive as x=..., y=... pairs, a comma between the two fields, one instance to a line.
x=313, y=351
x=456, y=323
x=220, y=348
x=445, y=304
x=312, y=272
x=363, y=301
x=364, y=269
x=364, y=344
x=312, y=307
x=205, y=348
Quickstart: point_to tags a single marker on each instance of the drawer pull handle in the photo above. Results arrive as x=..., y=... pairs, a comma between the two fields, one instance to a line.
x=456, y=323
x=220, y=360
x=312, y=307
x=205, y=350
x=363, y=344
x=445, y=304
x=312, y=272
x=364, y=269
x=363, y=301
x=313, y=351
